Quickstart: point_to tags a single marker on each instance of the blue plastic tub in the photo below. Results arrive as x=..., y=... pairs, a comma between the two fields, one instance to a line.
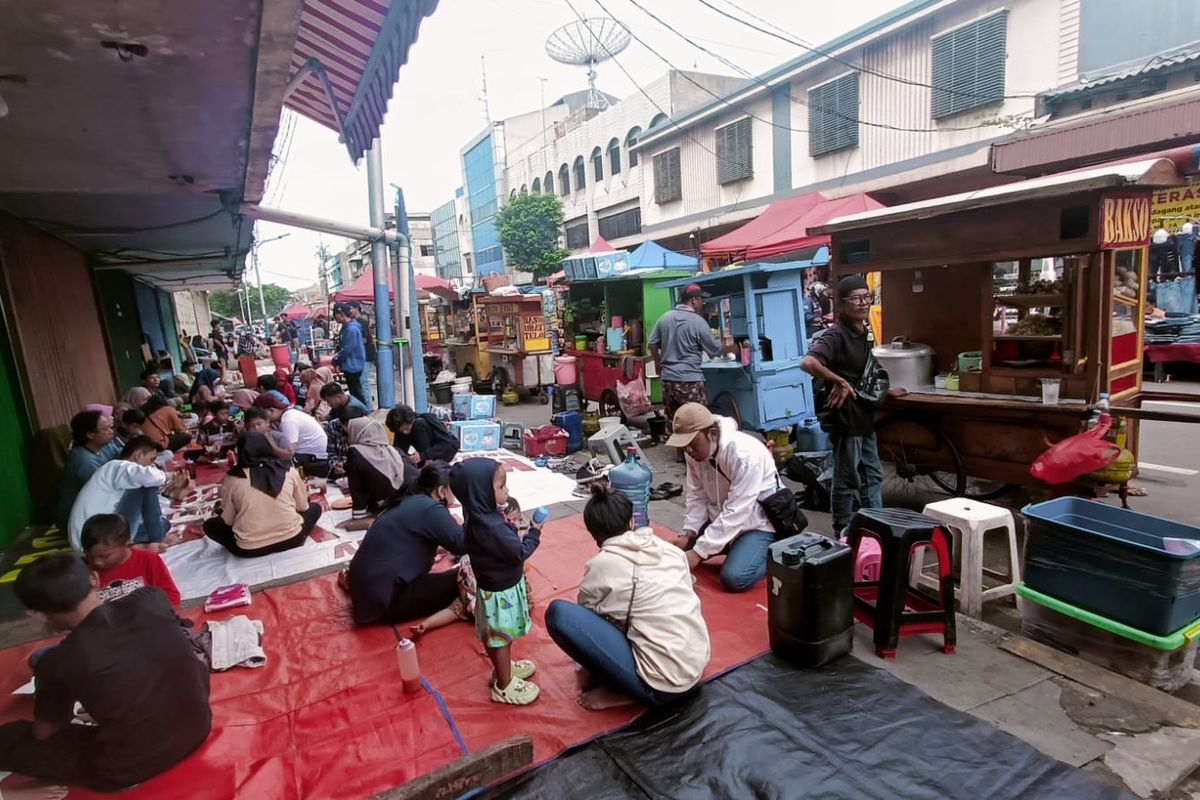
x=1137, y=569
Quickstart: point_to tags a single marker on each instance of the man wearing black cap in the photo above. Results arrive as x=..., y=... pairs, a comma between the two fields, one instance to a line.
x=838, y=357
x=679, y=339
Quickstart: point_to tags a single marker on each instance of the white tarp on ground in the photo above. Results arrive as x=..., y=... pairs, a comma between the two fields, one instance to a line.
x=201, y=565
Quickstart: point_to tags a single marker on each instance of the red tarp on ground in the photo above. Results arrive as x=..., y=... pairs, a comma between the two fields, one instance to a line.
x=783, y=226
x=326, y=716
x=362, y=288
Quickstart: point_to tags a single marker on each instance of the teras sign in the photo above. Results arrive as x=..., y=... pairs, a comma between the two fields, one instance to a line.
x=1124, y=221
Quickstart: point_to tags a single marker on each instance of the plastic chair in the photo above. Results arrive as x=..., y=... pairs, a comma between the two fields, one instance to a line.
x=968, y=521
x=889, y=605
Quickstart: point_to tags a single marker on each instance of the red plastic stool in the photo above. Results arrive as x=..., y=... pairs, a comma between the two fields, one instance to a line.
x=889, y=605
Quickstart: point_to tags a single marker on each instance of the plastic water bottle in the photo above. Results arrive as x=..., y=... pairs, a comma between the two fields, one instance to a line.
x=539, y=516
x=410, y=668
x=632, y=478
x=1100, y=409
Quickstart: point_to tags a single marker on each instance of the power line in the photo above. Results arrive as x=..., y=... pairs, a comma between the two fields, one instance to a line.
x=786, y=37
x=837, y=114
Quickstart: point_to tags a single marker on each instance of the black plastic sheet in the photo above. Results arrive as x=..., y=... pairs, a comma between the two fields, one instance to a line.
x=770, y=730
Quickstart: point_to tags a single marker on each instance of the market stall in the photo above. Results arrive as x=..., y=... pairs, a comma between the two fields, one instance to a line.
x=518, y=341
x=634, y=300
x=1032, y=298
x=761, y=307
x=468, y=344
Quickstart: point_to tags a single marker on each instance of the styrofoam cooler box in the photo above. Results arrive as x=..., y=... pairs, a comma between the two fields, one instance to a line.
x=476, y=434
x=474, y=406
x=483, y=406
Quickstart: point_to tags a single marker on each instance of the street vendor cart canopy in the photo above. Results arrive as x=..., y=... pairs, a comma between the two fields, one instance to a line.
x=362, y=289
x=787, y=225
x=652, y=255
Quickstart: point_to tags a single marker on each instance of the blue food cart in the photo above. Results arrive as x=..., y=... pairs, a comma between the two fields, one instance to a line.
x=760, y=305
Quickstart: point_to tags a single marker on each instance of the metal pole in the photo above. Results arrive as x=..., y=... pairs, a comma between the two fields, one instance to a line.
x=262, y=304
x=403, y=270
x=379, y=263
x=414, y=373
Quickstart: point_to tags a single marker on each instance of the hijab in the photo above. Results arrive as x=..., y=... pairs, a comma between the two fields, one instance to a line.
x=257, y=462
x=206, y=377
x=244, y=398
x=312, y=400
x=367, y=438
x=137, y=396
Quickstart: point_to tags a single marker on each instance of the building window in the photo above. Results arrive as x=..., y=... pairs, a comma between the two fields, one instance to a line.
x=614, y=157
x=624, y=223
x=548, y=183
x=659, y=119
x=576, y=233
x=537, y=185
x=833, y=115
x=631, y=139
x=968, y=65
x=564, y=180
x=667, y=183
x=598, y=164
x=512, y=195
x=734, y=161
x=524, y=189
x=580, y=174
x=426, y=251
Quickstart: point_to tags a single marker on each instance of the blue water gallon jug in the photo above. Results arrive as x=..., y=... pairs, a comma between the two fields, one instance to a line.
x=632, y=478
x=810, y=438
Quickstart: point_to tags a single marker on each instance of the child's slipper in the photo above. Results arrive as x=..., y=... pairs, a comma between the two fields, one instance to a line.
x=518, y=693
x=658, y=494
x=522, y=668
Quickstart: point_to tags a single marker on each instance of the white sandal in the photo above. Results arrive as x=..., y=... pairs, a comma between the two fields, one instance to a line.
x=518, y=693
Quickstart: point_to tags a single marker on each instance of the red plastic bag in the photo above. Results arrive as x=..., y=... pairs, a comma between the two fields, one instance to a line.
x=1076, y=455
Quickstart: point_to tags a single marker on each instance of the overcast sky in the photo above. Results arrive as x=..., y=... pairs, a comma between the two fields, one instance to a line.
x=437, y=108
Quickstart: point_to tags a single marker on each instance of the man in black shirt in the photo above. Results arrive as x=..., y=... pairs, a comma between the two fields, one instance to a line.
x=132, y=666
x=838, y=357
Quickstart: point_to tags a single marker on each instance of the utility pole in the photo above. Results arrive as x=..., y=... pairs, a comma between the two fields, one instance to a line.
x=483, y=97
x=262, y=303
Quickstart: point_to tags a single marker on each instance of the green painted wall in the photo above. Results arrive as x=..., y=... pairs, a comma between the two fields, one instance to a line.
x=118, y=307
x=14, y=448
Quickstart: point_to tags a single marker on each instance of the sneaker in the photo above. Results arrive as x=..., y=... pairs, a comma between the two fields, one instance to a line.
x=522, y=668
x=518, y=693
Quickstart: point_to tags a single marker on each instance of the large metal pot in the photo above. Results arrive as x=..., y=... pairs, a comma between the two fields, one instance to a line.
x=909, y=364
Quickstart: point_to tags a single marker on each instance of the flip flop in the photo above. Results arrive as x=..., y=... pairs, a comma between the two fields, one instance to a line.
x=670, y=489
x=658, y=494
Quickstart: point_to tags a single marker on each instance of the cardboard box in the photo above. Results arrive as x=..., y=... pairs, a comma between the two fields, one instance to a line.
x=474, y=435
x=473, y=406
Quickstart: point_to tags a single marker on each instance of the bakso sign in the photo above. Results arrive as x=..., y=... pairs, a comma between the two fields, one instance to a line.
x=1124, y=221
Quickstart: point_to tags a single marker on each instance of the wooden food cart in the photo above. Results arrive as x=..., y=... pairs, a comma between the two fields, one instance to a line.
x=1047, y=279
x=638, y=299
x=468, y=344
x=761, y=305
x=518, y=342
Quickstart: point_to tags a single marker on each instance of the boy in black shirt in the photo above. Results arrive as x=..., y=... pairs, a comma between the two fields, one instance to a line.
x=132, y=666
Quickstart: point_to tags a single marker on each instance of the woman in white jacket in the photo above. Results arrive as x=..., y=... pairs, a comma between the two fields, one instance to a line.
x=637, y=629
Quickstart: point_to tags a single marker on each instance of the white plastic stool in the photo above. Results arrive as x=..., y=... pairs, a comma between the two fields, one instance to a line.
x=968, y=521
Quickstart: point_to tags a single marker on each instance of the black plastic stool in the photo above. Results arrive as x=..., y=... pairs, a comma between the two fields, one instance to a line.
x=890, y=606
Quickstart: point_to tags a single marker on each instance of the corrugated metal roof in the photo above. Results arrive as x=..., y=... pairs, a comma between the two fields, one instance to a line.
x=361, y=45
x=1158, y=64
x=1152, y=172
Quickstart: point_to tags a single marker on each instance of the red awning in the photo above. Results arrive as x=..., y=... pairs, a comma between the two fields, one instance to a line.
x=600, y=245
x=783, y=226
x=362, y=289
x=296, y=311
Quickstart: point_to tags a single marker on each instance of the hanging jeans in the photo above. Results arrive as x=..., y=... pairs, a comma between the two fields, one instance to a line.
x=142, y=512
x=602, y=649
x=857, y=477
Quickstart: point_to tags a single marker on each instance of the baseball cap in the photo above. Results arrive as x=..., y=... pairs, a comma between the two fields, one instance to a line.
x=690, y=419
x=694, y=290
x=265, y=400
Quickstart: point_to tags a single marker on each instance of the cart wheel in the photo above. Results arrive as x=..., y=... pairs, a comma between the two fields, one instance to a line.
x=726, y=405
x=543, y=397
x=919, y=462
x=609, y=406
x=979, y=489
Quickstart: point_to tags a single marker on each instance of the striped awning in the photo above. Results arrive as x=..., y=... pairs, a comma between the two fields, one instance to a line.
x=353, y=50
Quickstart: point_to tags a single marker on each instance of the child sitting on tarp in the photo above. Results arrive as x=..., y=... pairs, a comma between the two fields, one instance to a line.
x=121, y=569
x=498, y=555
x=218, y=433
x=129, y=663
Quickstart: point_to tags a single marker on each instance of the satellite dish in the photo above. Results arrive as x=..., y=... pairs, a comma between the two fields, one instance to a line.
x=586, y=43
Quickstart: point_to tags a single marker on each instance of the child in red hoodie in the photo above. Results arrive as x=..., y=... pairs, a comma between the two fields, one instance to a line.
x=121, y=567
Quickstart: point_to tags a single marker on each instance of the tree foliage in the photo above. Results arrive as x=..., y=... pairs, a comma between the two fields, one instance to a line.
x=226, y=303
x=528, y=226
